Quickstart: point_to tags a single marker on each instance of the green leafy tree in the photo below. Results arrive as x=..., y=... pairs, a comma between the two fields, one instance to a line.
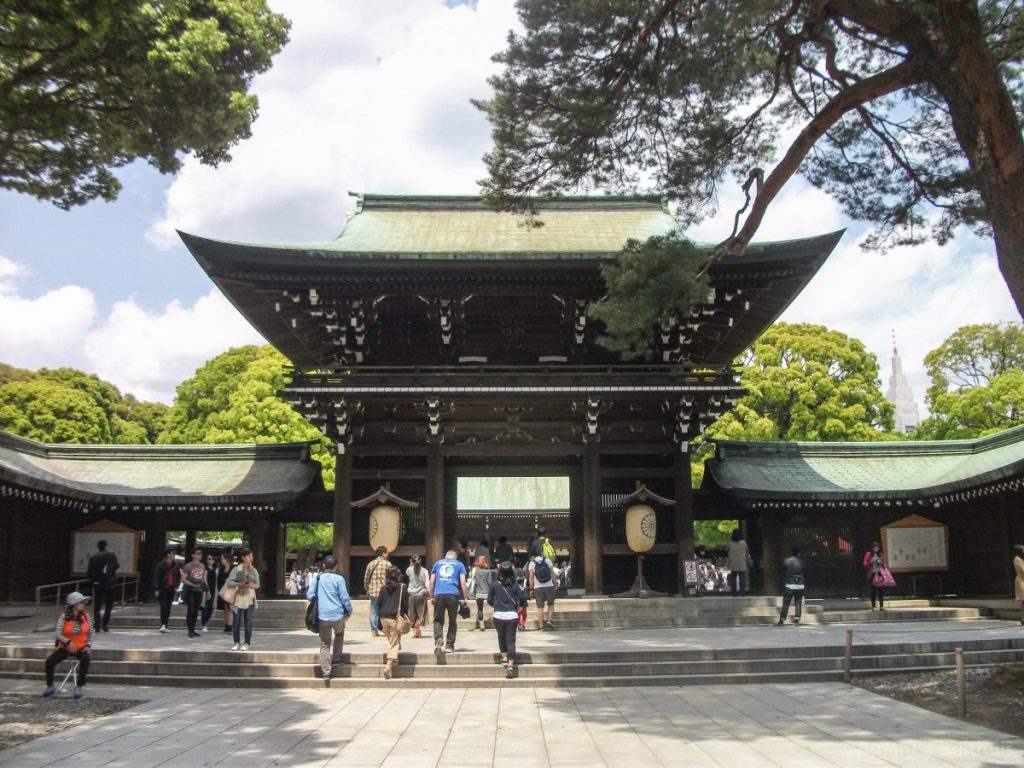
x=807, y=382
x=88, y=87
x=649, y=283
x=68, y=406
x=233, y=399
x=306, y=539
x=906, y=112
x=977, y=382
x=713, y=534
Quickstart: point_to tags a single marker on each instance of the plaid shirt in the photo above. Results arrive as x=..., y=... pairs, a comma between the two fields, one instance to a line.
x=375, y=573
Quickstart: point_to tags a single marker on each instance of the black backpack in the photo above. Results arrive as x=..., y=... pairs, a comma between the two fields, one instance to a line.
x=541, y=571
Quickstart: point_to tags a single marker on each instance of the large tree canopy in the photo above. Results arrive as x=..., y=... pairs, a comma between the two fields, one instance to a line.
x=907, y=112
x=977, y=382
x=87, y=86
x=68, y=406
x=232, y=399
x=807, y=382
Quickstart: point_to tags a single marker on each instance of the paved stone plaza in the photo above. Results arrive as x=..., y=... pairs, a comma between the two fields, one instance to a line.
x=823, y=724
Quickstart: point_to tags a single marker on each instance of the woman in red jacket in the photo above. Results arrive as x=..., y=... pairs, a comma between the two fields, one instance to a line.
x=875, y=567
x=74, y=639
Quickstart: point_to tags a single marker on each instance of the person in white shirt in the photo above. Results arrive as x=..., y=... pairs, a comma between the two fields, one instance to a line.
x=541, y=575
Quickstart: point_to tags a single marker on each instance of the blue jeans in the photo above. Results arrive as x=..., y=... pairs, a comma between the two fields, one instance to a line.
x=374, y=618
x=243, y=614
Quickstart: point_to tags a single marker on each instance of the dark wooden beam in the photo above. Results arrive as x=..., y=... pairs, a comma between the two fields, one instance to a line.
x=683, y=490
x=592, y=533
x=342, y=542
x=434, y=505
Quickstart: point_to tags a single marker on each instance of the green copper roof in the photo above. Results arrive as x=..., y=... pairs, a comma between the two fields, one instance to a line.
x=160, y=474
x=864, y=471
x=446, y=227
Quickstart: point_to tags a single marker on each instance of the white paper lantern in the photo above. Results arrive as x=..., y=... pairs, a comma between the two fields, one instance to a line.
x=384, y=526
x=641, y=527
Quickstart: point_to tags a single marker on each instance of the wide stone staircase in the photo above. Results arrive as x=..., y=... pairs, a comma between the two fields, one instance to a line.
x=299, y=669
x=599, y=658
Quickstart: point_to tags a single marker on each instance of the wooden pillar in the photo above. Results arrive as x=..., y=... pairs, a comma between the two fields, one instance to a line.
x=342, y=517
x=190, y=544
x=7, y=513
x=433, y=518
x=272, y=554
x=576, y=546
x=682, y=487
x=153, y=552
x=772, y=552
x=593, y=539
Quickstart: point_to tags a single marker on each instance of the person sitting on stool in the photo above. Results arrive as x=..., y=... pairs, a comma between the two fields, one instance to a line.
x=74, y=638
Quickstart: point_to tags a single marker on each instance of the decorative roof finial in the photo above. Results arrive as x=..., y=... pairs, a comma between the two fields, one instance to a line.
x=894, y=352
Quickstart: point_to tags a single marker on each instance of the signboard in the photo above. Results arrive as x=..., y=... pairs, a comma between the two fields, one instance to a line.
x=122, y=541
x=691, y=573
x=916, y=544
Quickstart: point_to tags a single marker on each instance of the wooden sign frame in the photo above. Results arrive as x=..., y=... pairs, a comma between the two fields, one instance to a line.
x=918, y=522
x=111, y=530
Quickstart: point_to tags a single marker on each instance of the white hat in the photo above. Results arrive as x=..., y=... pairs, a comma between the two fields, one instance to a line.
x=77, y=597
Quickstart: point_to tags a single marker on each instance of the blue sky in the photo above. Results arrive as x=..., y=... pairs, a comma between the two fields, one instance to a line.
x=373, y=96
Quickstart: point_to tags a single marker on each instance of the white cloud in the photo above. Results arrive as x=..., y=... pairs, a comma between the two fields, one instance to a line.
x=9, y=272
x=145, y=353
x=368, y=96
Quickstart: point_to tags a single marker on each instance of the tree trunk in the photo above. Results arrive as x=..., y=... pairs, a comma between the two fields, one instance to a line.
x=988, y=130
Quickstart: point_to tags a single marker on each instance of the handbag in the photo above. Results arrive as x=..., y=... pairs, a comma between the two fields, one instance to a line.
x=887, y=578
x=401, y=621
x=464, y=610
x=228, y=594
x=313, y=611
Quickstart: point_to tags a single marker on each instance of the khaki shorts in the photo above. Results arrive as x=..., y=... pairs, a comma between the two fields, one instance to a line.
x=544, y=596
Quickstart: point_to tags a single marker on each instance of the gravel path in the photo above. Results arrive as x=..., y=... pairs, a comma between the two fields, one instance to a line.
x=26, y=717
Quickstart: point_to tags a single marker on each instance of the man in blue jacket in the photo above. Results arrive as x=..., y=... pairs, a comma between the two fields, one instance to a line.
x=333, y=609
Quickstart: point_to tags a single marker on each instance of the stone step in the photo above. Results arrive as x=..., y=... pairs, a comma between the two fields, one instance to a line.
x=902, y=614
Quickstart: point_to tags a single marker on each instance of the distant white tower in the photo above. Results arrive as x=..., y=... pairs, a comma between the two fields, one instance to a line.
x=900, y=394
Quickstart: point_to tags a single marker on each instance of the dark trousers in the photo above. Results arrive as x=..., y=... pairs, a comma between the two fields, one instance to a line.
x=446, y=604
x=166, y=600
x=738, y=582
x=103, y=604
x=208, y=606
x=506, y=629
x=791, y=595
x=58, y=656
x=480, y=609
x=876, y=594
x=193, y=599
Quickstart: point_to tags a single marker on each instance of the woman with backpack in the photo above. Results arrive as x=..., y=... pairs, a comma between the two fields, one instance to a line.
x=506, y=597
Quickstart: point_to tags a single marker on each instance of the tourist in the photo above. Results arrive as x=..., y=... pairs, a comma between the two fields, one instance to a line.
x=740, y=562
x=541, y=575
x=793, y=582
x=213, y=585
x=166, y=579
x=74, y=638
x=506, y=597
x=292, y=583
x=247, y=579
x=482, y=576
x=503, y=552
x=373, y=580
x=392, y=602
x=1018, y=582
x=227, y=563
x=419, y=593
x=333, y=607
x=447, y=587
x=102, y=574
x=194, y=587
x=875, y=568
x=482, y=551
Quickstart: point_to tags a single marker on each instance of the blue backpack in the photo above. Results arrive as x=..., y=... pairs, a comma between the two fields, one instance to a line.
x=541, y=571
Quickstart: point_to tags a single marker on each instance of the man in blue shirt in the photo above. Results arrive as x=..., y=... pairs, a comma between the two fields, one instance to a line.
x=447, y=586
x=333, y=608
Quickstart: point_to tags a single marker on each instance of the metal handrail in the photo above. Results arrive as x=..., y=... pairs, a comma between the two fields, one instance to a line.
x=124, y=583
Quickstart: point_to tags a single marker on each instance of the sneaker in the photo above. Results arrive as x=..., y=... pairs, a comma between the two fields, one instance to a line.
x=796, y=621
x=510, y=672
x=549, y=625
x=203, y=630
x=163, y=628
x=374, y=633
x=77, y=693
x=327, y=682
x=227, y=630
x=245, y=646
x=449, y=649
x=439, y=645
x=49, y=690
x=192, y=634
x=236, y=647
x=780, y=623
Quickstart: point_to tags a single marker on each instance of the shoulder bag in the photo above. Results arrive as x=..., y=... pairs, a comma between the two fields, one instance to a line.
x=313, y=610
x=401, y=620
x=228, y=593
